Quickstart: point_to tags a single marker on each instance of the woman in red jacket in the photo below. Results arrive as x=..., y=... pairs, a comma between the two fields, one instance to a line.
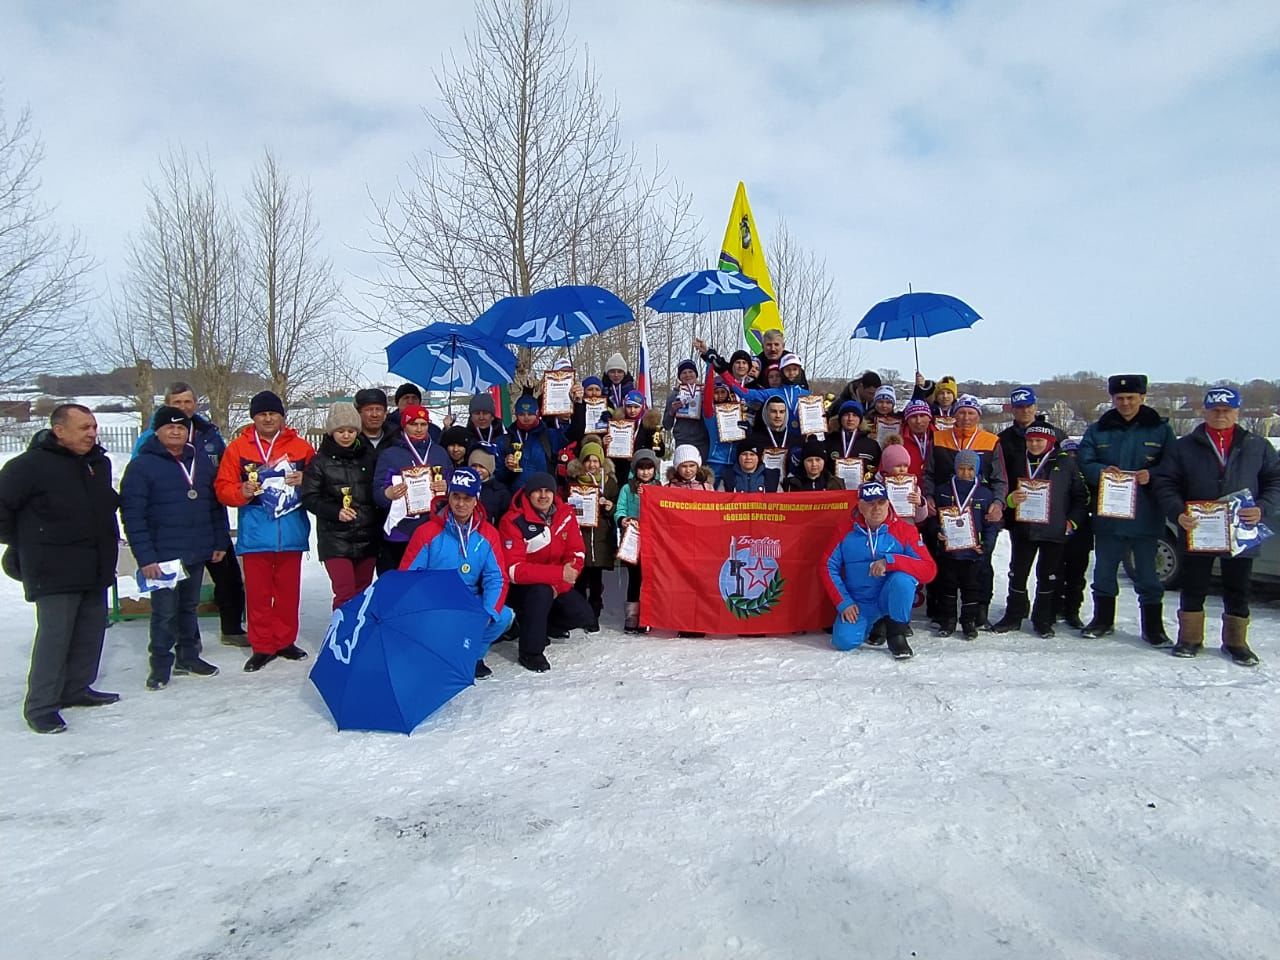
x=544, y=555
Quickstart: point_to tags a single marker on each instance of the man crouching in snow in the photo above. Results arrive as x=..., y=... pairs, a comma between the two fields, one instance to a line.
x=873, y=572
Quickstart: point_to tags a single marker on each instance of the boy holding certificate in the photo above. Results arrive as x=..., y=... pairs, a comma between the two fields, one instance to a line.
x=1048, y=503
x=592, y=477
x=726, y=424
x=1118, y=455
x=968, y=537
x=682, y=415
x=1219, y=457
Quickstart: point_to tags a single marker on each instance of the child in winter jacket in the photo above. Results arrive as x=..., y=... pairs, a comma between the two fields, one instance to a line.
x=592, y=469
x=722, y=453
x=895, y=461
x=648, y=431
x=813, y=473
x=495, y=497
x=964, y=570
x=1068, y=507
x=884, y=421
x=749, y=474
x=682, y=415
x=644, y=471
x=687, y=471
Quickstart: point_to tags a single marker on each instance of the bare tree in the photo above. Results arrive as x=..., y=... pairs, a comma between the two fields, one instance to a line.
x=291, y=290
x=42, y=274
x=184, y=294
x=809, y=307
x=532, y=185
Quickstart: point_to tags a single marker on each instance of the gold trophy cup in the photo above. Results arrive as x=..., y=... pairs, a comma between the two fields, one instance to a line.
x=347, y=499
x=657, y=441
x=517, y=452
x=251, y=471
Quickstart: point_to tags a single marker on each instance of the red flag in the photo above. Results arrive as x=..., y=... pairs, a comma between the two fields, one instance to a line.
x=729, y=563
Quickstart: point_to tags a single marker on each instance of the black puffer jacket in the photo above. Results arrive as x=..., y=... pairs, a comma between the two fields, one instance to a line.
x=333, y=468
x=1191, y=471
x=59, y=510
x=1068, y=497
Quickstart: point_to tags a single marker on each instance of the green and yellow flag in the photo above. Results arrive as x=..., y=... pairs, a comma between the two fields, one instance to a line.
x=743, y=252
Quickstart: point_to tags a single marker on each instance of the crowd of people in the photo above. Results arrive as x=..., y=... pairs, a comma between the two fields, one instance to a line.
x=500, y=504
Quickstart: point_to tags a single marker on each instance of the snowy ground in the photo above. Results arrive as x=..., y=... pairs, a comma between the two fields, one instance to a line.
x=653, y=797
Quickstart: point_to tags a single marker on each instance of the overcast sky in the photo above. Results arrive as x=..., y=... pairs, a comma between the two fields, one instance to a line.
x=1099, y=180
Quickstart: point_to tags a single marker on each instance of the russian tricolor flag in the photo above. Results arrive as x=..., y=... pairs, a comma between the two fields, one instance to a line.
x=643, y=381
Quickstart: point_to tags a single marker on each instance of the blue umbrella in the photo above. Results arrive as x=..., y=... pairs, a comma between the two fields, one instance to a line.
x=453, y=357
x=705, y=291
x=401, y=650
x=550, y=317
x=915, y=315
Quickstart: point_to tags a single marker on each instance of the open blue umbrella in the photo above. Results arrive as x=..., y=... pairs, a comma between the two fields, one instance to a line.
x=453, y=357
x=560, y=315
x=705, y=291
x=401, y=650
x=915, y=315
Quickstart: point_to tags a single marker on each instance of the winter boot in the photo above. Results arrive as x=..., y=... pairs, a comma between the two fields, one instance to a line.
x=632, y=622
x=1190, y=633
x=535, y=662
x=946, y=628
x=1015, y=611
x=876, y=636
x=896, y=637
x=257, y=662
x=984, y=616
x=194, y=668
x=483, y=670
x=1103, y=623
x=1042, y=616
x=292, y=652
x=1153, y=624
x=1235, y=640
x=969, y=620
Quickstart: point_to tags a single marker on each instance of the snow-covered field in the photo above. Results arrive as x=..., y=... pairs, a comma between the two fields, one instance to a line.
x=654, y=797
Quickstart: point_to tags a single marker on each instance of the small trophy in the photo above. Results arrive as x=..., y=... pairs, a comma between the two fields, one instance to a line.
x=517, y=452
x=251, y=471
x=657, y=441
x=347, y=499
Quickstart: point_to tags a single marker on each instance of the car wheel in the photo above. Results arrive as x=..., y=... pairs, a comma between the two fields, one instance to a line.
x=1168, y=562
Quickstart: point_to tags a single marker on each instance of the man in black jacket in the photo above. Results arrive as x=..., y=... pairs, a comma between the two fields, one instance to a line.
x=58, y=515
x=1217, y=458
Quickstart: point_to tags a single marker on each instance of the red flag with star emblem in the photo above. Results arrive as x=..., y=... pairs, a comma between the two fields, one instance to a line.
x=731, y=563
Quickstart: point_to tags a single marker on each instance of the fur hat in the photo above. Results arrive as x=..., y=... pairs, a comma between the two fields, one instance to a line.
x=455, y=436
x=685, y=453
x=1126, y=383
x=342, y=415
x=370, y=397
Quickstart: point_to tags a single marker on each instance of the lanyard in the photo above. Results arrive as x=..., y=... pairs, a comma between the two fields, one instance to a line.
x=1032, y=474
x=964, y=507
x=968, y=443
x=848, y=439
x=873, y=541
x=487, y=439
x=265, y=454
x=1219, y=452
x=774, y=437
x=924, y=447
x=615, y=391
x=464, y=540
x=189, y=474
x=413, y=451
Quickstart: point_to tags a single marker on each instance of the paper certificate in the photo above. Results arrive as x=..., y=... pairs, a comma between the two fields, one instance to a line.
x=629, y=548
x=812, y=411
x=586, y=505
x=690, y=403
x=899, y=489
x=557, y=386
x=849, y=470
x=620, y=441
x=1118, y=494
x=1034, y=509
x=884, y=429
x=1212, y=532
x=597, y=413
x=957, y=529
x=418, y=495
x=728, y=422
x=775, y=458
